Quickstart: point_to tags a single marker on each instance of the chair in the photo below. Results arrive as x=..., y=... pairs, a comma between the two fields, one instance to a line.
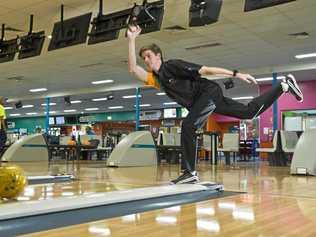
x=230, y=144
x=276, y=155
x=93, y=145
x=273, y=148
x=288, y=141
x=169, y=147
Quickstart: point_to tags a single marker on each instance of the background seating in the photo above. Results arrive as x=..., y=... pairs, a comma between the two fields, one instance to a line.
x=230, y=144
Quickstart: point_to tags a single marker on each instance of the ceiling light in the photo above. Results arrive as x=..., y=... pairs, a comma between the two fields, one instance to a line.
x=100, y=99
x=161, y=93
x=49, y=104
x=270, y=78
x=27, y=106
x=31, y=113
x=115, y=107
x=101, y=82
x=91, y=109
x=131, y=96
x=170, y=103
x=15, y=115
x=243, y=98
x=69, y=110
x=6, y=108
x=38, y=89
x=75, y=101
x=51, y=112
x=144, y=105
x=309, y=55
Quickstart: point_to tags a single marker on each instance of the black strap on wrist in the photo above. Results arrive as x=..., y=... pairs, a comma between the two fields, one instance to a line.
x=235, y=72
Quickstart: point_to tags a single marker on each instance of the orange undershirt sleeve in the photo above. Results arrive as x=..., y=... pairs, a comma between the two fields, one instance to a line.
x=152, y=81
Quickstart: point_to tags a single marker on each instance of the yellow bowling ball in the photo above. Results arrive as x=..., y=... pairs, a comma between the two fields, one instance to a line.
x=12, y=182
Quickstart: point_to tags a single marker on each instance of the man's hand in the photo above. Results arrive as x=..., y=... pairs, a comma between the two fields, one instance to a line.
x=133, y=31
x=247, y=78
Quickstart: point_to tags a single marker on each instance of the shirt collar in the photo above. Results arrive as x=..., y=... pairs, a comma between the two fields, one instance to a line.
x=160, y=69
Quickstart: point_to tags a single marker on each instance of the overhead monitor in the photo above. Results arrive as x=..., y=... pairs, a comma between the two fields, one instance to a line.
x=251, y=5
x=150, y=16
x=71, y=120
x=51, y=121
x=204, y=12
x=60, y=120
x=70, y=32
x=8, y=49
x=31, y=44
x=170, y=113
x=107, y=27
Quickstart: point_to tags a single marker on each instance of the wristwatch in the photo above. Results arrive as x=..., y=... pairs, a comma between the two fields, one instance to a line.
x=235, y=72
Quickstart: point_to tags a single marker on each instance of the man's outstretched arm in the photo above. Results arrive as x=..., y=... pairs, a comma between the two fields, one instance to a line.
x=216, y=71
x=133, y=68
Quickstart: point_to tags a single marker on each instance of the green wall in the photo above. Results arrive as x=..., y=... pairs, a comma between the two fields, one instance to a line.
x=118, y=116
x=30, y=123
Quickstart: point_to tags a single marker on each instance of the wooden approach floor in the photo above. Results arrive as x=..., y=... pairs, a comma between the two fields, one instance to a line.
x=275, y=203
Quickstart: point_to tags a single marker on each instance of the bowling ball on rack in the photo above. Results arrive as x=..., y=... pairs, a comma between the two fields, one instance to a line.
x=12, y=182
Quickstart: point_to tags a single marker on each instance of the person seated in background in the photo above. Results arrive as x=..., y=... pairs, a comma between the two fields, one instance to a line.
x=72, y=141
x=38, y=130
x=89, y=131
x=85, y=142
x=72, y=151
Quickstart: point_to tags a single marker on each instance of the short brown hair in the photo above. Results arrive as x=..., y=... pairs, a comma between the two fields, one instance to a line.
x=152, y=47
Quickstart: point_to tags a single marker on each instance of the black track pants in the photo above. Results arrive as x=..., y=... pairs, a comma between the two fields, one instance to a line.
x=209, y=99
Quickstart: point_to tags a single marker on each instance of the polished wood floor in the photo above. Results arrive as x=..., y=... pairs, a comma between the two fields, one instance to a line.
x=274, y=203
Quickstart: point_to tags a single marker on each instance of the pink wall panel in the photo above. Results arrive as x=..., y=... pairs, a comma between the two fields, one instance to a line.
x=288, y=102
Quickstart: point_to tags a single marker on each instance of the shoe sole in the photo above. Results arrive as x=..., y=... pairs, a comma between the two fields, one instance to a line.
x=189, y=180
x=294, y=86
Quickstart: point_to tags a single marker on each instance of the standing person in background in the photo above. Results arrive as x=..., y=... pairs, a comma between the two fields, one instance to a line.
x=3, y=134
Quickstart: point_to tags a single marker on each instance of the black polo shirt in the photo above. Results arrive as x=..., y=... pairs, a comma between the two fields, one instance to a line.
x=180, y=80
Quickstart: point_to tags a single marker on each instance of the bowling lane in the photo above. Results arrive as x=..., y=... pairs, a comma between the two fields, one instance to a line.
x=89, y=179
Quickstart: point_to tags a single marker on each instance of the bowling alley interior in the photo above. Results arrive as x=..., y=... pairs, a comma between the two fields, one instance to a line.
x=158, y=118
